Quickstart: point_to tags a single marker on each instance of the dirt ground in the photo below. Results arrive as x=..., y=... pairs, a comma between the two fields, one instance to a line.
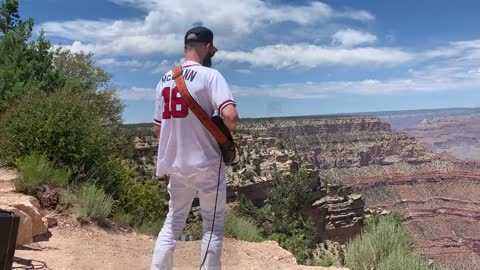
x=90, y=247
x=70, y=246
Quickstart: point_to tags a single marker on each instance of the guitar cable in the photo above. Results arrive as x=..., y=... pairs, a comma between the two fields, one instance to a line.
x=214, y=212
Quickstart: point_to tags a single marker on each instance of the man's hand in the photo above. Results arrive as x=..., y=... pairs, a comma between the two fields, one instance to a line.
x=230, y=116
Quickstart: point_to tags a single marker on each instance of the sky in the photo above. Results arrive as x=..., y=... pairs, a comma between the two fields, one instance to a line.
x=283, y=58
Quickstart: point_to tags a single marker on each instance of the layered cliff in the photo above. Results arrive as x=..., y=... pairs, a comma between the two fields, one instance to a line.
x=439, y=203
x=343, y=141
x=456, y=135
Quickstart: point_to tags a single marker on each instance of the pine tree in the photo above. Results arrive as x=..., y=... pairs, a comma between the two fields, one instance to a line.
x=23, y=66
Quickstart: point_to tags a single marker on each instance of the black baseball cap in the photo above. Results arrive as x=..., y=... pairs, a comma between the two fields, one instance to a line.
x=199, y=34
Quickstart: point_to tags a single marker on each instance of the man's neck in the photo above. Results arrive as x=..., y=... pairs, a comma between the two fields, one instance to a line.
x=193, y=57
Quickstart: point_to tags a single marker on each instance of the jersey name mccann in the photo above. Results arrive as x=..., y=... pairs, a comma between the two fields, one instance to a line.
x=188, y=75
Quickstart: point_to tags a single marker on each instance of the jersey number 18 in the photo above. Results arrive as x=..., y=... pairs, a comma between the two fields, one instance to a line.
x=175, y=107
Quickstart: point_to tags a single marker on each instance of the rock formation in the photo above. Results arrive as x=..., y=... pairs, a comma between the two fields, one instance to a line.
x=337, y=212
x=32, y=221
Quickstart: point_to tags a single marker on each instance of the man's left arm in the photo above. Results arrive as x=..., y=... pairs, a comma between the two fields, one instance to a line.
x=230, y=116
x=222, y=100
x=156, y=129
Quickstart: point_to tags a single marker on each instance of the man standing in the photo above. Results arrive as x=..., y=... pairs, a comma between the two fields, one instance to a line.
x=189, y=153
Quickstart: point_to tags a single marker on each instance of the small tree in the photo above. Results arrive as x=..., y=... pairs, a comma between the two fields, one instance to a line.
x=287, y=199
x=80, y=72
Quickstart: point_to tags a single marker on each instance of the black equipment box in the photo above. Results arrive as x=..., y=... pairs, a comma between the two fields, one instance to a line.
x=9, y=223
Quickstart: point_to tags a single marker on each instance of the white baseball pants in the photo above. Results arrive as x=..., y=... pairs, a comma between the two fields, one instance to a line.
x=182, y=191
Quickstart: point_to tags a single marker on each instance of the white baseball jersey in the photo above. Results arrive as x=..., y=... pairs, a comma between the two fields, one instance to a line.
x=186, y=147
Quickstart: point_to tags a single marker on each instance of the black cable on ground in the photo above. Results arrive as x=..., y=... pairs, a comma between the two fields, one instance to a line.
x=29, y=264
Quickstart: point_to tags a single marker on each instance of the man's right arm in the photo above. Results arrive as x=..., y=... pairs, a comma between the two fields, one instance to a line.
x=157, y=117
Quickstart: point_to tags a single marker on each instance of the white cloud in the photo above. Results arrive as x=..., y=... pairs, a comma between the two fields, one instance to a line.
x=310, y=56
x=130, y=46
x=137, y=93
x=474, y=71
x=441, y=52
x=162, y=29
x=163, y=67
x=350, y=37
x=363, y=87
x=452, y=74
x=243, y=71
x=133, y=65
x=460, y=73
x=323, y=90
x=306, y=55
x=361, y=15
x=467, y=49
x=467, y=44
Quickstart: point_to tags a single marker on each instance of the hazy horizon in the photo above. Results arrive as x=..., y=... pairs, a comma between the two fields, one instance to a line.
x=350, y=114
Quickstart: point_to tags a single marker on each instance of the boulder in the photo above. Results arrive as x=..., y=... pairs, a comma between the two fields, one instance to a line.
x=52, y=221
x=24, y=235
x=32, y=222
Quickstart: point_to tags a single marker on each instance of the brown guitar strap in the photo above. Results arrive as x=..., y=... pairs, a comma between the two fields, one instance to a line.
x=195, y=107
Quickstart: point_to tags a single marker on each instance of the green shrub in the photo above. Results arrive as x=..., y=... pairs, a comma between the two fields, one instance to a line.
x=109, y=174
x=375, y=219
x=151, y=227
x=123, y=218
x=247, y=209
x=402, y=259
x=93, y=203
x=361, y=254
x=328, y=253
x=68, y=200
x=326, y=261
x=241, y=228
x=282, y=218
x=142, y=198
x=297, y=242
x=35, y=170
x=197, y=230
x=375, y=245
x=64, y=125
x=194, y=229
